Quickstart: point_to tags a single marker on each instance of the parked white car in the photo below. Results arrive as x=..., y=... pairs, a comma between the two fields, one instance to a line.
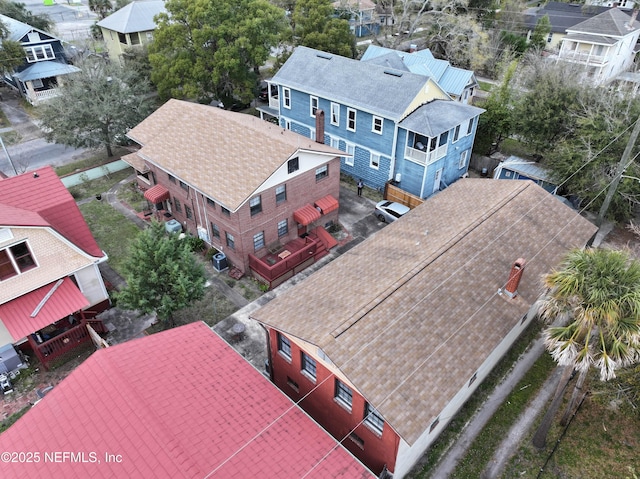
x=389, y=211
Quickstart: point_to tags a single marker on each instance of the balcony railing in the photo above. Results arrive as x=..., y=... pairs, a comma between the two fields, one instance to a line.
x=43, y=95
x=583, y=57
x=274, y=102
x=425, y=157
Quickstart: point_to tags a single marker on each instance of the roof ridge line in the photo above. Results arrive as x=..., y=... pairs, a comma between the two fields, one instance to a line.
x=411, y=273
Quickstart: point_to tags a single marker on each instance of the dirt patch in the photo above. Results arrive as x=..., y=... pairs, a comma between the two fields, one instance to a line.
x=621, y=238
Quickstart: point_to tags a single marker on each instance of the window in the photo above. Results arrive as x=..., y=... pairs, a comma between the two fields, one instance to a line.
x=225, y=211
x=281, y=194
x=37, y=83
x=549, y=37
x=309, y=366
x=15, y=259
x=122, y=38
x=211, y=203
x=375, y=161
x=231, y=243
x=184, y=186
x=135, y=38
x=172, y=178
x=284, y=346
x=335, y=114
x=474, y=377
x=463, y=159
x=255, y=205
x=176, y=205
x=258, y=241
x=286, y=98
x=373, y=419
x=293, y=384
x=456, y=134
x=376, y=126
x=215, y=231
x=357, y=439
x=470, y=126
x=39, y=52
x=343, y=394
x=334, y=143
x=188, y=212
x=293, y=165
x=322, y=172
x=351, y=119
x=283, y=228
x=313, y=105
x=351, y=150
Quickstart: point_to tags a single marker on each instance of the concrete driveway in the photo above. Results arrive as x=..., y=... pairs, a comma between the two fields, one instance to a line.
x=356, y=215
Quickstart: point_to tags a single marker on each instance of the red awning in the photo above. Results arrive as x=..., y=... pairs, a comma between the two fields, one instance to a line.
x=157, y=194
x=327, y=204
x=42, y=307
x=306, y=215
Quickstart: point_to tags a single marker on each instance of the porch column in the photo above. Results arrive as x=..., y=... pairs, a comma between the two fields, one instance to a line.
x=36, y=350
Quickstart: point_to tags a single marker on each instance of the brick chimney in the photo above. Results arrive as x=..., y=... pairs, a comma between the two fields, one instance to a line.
x=511, y=289
x=320, y=126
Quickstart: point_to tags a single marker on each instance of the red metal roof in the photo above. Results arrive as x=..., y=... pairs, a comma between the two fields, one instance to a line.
x=327, y=204
x=156, y=194
x=180, y=403
x=306, y=215
x=42, y=194
x=18, y=315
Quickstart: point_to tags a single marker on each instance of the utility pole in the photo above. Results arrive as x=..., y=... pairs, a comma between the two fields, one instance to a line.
x=619, y=171
x=15, y=172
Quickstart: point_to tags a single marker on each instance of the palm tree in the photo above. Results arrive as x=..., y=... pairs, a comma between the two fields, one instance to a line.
x=595, y=295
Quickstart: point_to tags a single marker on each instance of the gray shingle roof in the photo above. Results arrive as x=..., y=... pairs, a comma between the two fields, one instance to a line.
x=17, y=29
x=410, y=314
x=439, y=116
x=563, y=15
x=134, y=17
x=374, y=88
x=613, y=22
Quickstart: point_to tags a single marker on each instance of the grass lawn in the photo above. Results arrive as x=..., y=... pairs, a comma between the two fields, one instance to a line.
x=113, y=231
x=89, y=189
x=485, y=86
x=509, y=146
x=98, y=158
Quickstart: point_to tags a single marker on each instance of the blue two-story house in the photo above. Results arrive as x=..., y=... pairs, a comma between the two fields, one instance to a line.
x=45, y=62
x=395, y=125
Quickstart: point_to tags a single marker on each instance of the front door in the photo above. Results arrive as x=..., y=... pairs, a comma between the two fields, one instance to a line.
x=436, y=181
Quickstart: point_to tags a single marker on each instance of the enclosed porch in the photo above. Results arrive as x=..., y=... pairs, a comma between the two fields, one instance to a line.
x=38, y=82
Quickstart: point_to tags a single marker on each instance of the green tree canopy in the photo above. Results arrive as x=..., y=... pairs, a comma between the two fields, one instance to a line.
x=11, y=53
x=206, y=49
x=162, y=274
x=96, y=107
x=595, y=295
x=18, y=11
x=314, y=25
x=540, y=33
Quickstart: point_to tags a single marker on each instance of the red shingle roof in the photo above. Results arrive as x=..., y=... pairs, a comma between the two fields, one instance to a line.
x=180, y=403
x=42, y=200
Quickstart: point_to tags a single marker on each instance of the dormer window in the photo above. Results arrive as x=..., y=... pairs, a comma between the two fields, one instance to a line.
x=39, y=53
x=15, y=260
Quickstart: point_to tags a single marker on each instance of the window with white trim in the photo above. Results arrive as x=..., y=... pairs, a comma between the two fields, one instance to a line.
x=463, y=159
x=286, y=98
x=376, y=125
x=308, y=366
x=374, y=161
x=334, y=142
x=14, y=260
x=258, y=241
x=322, y=172
x=231, y=242
x=283, y=228
x=284, y=346
x=351, y=119
x=215, y=231
x=255, y=205
x=313, y=105
x=335, y=114
x=281, y=194
x=456, y=134
x=343, y=394
x=351, y=150
x=293, y=165
x=470, y=126
x=39, y=52
x=373, y=419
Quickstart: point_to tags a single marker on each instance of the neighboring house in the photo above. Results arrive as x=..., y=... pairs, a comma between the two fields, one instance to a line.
x=621, y=4
x=180, y=403
x=132, y=25
x=459, y=83
x=392, y=123
x=361, y=14
x=562, y=16
x=50, y=284
x=384, y=345
x=252, y=190
x=45, y=63
x=605, y=45
x=514, y=168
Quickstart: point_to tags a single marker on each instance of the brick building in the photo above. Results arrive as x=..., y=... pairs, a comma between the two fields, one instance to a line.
x=254, y=191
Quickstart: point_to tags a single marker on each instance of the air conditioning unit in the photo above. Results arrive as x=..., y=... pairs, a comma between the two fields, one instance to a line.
x=219, y=261
x=398, y=177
